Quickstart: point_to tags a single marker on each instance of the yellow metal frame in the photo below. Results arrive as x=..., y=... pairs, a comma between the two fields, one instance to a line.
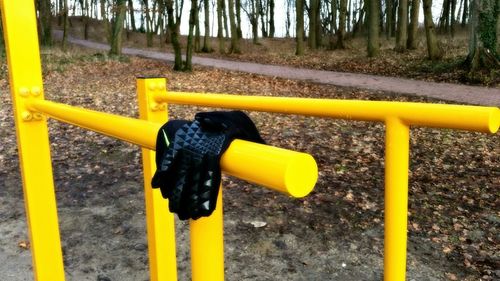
x=19, y=25
x=286, y=171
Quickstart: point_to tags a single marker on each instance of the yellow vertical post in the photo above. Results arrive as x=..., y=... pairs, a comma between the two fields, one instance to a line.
x=159, y=221
x=396, y=198
x=207, y=245
x=23, y=56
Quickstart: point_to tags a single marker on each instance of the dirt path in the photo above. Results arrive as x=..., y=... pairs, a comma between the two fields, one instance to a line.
x=443, y=91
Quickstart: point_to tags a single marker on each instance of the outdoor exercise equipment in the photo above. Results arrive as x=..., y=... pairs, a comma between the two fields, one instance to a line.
x=290, y=172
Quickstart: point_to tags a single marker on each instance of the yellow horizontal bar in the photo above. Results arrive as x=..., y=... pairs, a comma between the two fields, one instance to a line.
x=463, y=117
x=290, y=172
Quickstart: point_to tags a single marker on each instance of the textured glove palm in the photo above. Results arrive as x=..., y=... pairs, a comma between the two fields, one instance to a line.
x=188, y=154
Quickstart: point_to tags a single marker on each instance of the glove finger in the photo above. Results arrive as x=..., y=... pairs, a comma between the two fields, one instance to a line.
x=187, y=207
x=209, y=185
x=176, y=181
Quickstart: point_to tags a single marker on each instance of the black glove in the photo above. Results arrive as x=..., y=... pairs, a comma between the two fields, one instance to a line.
x=188, y=155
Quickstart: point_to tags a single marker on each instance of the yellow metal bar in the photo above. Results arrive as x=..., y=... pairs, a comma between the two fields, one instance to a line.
x=396, y=198
x=207, y=246
x=296, y=178
x=140, y=132
x=159, y=221
x=20, y=33
x=473, y=118
x=287, y=171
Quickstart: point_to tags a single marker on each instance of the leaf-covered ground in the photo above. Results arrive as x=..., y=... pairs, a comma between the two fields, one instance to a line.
x=336, y=233
x=281, y=51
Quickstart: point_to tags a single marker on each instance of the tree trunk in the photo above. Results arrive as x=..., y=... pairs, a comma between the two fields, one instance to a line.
x=149, y=24
x=238, y=18
x=313, y=21
x=189, y=48
x=373, y=27
x=116, y=38
x=260, y=13
x=349, y=12
x=224, y=16
x=413, y=27
x=401, y=34
x=197, y=33
x=465, y=14
x=220, y=36
x=483, y=52
x=60, y=12
x=132, y=14
x=85, y=18
x=254, y=20
x=443, y=24
x=299, y=31
x=271, y=19
x=319, y=27
x=161, y=21
x=105, y=21
x=206, y=39
x=65, y=22
x=235, y=41
x=288, y=22
x=434, y=51
x=359, y=26
x=342, y=24
x=452, y=20
x=45, y=23
x=173, y=26
x=333, y=19
x=388, y=18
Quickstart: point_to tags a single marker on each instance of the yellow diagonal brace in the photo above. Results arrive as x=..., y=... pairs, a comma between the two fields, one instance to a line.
x=23, y=57
x=159, y=221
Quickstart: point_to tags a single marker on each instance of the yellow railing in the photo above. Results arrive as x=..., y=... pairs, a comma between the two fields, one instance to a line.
x=290, y=172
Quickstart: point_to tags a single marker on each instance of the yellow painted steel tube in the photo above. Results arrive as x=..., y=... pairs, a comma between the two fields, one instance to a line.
x=207, y=245
x=396, y=199
x=290, y=172
x=160, y=222
x=463, y=117
x=23, y=57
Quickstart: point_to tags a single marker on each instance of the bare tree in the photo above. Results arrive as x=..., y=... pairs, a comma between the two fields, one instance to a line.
x=373, y=45
x=483, y=41
x=299, y=32
x=116, y=37
x=188, y=66
x=220, y=35
x=271, y=19
x=252, y=11
x=132, y=14
x=45, y=22
x=413, y=26
x=174, y=22
x=465, y=13
x=342, y=24
x=389, y=5
x=235, y=41
x=105, y=21
x=401, y=33
x=206, y=39
x=238, y=18
x=434, y=50
x=65, y=20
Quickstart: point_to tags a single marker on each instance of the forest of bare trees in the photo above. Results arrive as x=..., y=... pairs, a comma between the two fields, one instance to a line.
x=318, y=23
